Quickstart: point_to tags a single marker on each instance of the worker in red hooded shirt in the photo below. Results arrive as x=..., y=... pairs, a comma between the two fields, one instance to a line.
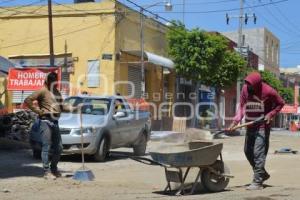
x=257, y=99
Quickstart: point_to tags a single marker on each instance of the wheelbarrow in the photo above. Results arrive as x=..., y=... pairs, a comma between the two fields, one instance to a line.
x=205, y=156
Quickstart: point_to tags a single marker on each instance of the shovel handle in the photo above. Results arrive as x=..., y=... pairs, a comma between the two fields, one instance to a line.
x=258, y=121
x=242, y=125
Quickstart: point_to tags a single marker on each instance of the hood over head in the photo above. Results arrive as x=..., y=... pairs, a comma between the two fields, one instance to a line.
x=255, y=80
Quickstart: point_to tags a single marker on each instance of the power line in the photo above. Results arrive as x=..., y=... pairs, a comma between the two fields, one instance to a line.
x=202, y=3
x=56, y=36
x=285, y=17
x=228, y=10
x=290, y=30
x=32, y=12
x=7, y=1
x=291, y=53
x=147, y=11
x=88, y=12
x=43, y=34
x=281, y=29
x=15, y=9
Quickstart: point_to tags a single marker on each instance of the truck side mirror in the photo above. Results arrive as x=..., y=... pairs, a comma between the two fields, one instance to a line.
x=119, y=114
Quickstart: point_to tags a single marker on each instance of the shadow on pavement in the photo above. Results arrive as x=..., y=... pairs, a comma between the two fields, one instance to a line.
x=113, y=156
x=18, y=164
x=197, y=192
x=244, y=186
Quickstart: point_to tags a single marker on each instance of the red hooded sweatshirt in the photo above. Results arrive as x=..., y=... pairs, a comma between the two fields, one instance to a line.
x=265, y=101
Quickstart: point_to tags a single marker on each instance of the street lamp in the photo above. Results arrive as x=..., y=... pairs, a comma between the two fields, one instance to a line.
x=168, y=7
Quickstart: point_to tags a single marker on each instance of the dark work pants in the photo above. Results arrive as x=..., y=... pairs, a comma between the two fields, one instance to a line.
x=256, y=150
x=51, y=142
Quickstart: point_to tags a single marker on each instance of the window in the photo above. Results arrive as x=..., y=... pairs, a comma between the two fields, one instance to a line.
x=96, y=106
x=73, y=101
x=93, y=73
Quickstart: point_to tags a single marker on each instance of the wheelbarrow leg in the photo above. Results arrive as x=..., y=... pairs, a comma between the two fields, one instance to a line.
x=168, y=187
x=196, y=182
x=181, y=188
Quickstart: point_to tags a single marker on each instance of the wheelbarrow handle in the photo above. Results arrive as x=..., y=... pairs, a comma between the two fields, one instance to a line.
x=146, y=161
x=143, y=160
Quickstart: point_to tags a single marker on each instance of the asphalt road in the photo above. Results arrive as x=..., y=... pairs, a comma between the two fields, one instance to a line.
x=119, y=178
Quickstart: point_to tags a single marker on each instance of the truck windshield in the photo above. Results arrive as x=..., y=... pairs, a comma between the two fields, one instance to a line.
x=92, y=106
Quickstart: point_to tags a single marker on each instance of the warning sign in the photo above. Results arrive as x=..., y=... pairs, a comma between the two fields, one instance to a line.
x=28, y=79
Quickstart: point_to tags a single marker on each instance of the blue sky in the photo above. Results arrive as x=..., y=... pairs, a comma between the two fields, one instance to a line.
x=282, y=19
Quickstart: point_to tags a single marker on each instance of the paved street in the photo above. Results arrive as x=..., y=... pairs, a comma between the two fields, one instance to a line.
x=21, y=176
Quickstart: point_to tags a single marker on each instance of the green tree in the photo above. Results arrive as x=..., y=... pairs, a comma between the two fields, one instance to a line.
x=205, y=57
x=287, y=93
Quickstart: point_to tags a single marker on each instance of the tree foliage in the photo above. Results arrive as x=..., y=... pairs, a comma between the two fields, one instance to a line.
x=287, y=93
x=204, y=57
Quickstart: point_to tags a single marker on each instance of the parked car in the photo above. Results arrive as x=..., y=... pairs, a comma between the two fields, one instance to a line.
x=108, y=122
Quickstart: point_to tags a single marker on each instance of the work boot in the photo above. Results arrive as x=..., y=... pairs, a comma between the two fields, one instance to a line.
x=56, y=173
x=255, y=186
x=49, y=176
x=266, y=176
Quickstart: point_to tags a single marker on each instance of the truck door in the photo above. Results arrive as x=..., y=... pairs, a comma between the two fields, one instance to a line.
x=123, y=124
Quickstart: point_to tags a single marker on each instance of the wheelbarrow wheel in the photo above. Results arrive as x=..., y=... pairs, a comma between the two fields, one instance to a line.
x=213, y=182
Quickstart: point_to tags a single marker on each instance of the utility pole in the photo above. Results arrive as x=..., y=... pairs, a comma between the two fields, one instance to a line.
x=51, y=48
x=240, y=35
x=241, y=21
x=183, y=11
x=142, y=52
x=243, y=18
x=168, y=7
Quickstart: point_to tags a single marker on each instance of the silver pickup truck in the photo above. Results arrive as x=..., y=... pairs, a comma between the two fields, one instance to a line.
x=108, y=122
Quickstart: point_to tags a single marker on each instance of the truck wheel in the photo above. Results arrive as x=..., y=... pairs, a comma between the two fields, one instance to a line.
x=213, y=182
x=102, y=151
x=140, y=148
x=36, y=154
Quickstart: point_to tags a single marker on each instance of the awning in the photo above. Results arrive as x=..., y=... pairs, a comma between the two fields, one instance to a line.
x=153, y=58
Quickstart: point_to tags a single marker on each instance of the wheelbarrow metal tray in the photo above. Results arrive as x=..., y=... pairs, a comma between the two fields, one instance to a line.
x=197, y=154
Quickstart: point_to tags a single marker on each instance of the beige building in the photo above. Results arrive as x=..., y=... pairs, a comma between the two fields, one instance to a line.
x=97, y=45
x=262, y=42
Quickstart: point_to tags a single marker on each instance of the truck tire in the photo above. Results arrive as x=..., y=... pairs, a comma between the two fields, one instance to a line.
x=140, y=148
x=102, y=150
x=213, y=182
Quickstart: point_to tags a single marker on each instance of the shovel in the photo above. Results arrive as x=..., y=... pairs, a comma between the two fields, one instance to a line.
x=260, y=120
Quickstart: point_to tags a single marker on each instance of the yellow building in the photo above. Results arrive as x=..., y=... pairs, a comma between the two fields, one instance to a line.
x=100, y=41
